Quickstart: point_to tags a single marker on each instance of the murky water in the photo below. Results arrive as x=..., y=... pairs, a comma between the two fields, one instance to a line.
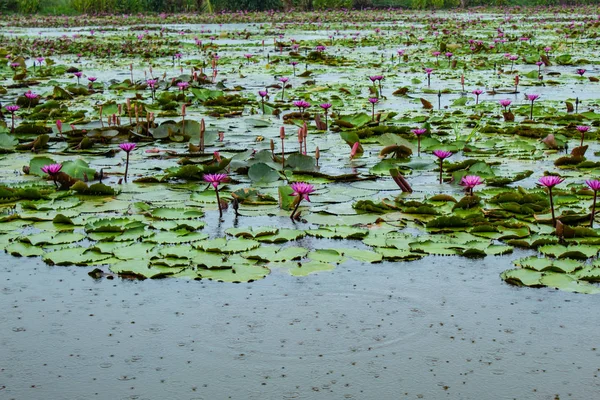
x=435, y=328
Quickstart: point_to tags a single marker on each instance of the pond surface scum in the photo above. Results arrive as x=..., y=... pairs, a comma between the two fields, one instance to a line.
x=376, y=205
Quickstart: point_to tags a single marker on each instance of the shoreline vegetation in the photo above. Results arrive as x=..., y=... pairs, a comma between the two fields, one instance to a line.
x=207, y=7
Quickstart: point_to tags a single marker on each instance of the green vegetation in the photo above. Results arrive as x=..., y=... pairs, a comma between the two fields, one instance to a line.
x=70, y=7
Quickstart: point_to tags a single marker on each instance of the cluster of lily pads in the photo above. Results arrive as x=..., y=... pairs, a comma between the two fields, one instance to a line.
x=226, y=152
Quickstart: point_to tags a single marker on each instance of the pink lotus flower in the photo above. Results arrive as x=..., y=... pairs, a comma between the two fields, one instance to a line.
x=505, y=103
x=418, y=132
x=549, y=182
x=595, y=186
x=582, y=129
x=51, y=169
x=263, y=93
x=532, y=97
x=30, y=95
x=580, y=71
x=441, y=155
x=477, y=92
x=301, y=190
x=127, y=148
x=92, y=79
x=215, y=180
x=470, y=181
x=373, y=101
x=12, y=109
x=325, y=106
x=183, y=85
x=283, y=80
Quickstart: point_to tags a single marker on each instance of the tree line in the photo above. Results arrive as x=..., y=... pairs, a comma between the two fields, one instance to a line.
x=58, y=7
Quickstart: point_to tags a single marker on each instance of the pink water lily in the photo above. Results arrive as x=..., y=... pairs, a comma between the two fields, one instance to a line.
x=326, y=107
x=582, y=129
x=302, y=105
x=215, y=180
x=549, y=181
x=418, y=132
x=505, y=103
x=302, y=190
x=127, y=148
x=373, y=101
x=477, y=92
x=428, y=71
x=470, y=181
x=593, y=184
x=284, y=80
x=441, y=155
x=52, y=170
x=12, y=109
x=532, y=97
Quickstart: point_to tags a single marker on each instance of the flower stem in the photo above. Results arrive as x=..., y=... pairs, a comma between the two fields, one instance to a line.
x=531, y=111
x=593, y=210
x=126, y=166
x=552, y=206
x=581, y=144
x=296, y=208
x=419, y=146
x=441, y=169
x=219, y=203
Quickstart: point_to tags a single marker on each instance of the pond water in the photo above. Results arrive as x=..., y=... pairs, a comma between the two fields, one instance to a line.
x=435, y=328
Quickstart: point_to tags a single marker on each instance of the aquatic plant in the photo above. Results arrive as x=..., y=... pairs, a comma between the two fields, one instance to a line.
x=470, y=181
x=442, y=155
x=418, y=133
x=52, y=170
x=127, y=148
x=302, y=190
x=593, y=184
x=549, y=181
x=215, y=180
x=12, y=109
x=532, y=97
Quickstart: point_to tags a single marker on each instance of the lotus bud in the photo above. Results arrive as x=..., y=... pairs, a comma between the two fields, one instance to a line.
x=59, y=125
x=217, y=156
x=128, y=101
x=221, y=136
x=272, y=146
x=202, y=126
x=72, y=127
x=120, y=109
x=183, y=110
x=354, y=150
x=282, y=133
x=317, y=155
